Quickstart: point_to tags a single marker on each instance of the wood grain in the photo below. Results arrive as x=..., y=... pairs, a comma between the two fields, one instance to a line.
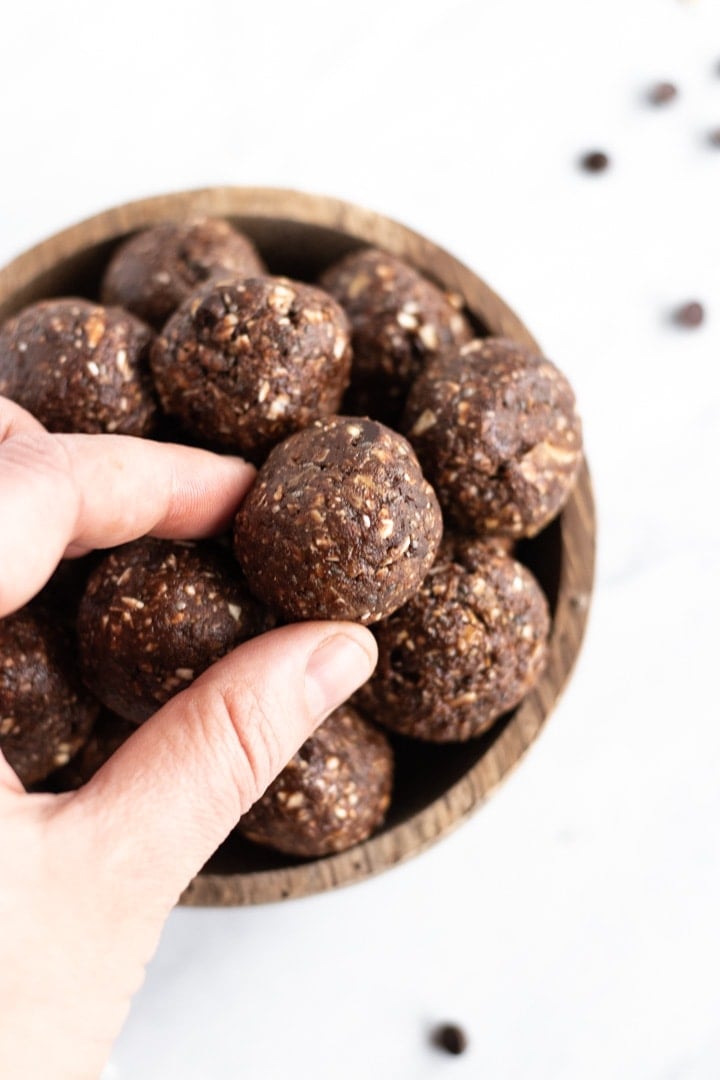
x=299, y=234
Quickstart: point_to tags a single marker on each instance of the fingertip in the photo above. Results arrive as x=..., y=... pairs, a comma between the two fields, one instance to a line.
x=343, y=660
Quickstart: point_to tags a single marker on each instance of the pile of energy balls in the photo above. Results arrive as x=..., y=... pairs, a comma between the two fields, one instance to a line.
x=400, y=457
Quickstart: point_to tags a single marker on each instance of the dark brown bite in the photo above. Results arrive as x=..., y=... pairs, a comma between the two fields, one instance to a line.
x=45, y=711
x=243, y=364
x=662, y=93
x=333, y=793
x=450, y=1037
x=496, y=431
x=464, y=650
x=340, y=523
x=399, y=320
x=155, y=615
x=156, y=270
x=78, y=366
x=690, y=315
x=595, y=161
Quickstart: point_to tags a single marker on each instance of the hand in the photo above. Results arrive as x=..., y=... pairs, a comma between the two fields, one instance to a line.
x=88, y=878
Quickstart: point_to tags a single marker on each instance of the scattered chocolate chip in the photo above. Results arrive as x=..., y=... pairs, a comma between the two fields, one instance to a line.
x=691, y=314
x=661, y=93
x=714, y=137
x=595, y=161
x=452, y=1038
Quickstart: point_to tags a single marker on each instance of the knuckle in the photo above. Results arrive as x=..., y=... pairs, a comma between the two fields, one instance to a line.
x=241, y=716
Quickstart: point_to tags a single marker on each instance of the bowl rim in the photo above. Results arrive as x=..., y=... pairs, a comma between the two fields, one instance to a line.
x=577, y=519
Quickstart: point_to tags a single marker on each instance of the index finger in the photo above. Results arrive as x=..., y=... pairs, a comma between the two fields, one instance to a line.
x=67, y=494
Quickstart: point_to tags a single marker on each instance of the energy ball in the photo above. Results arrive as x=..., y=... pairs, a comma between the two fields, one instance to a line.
x=109, y=732
x=77, y=366
x=153, y=272
x=45, y=711
x=399, y=321
x=495, y=428
x=339, y=524
x=243, y=364
x=464, y=650
x=157, y=613
x=332, y=794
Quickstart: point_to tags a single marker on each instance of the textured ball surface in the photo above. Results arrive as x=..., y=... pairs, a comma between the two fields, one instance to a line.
x=155, y=615
x=45, y=711
x=332, y=794
x=340, y=523
x=399, y=321
x=496, y=431
x=157, y=269
x=464, y=650
x=243, y=364
x=77, y=366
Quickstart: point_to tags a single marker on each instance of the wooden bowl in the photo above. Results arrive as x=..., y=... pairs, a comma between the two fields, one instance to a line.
x=437, y=786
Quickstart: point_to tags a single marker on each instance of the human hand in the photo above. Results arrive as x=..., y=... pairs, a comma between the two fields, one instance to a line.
x=87, y=879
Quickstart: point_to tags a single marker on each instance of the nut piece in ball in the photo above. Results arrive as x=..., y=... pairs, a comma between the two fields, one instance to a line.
x=339, y=524
x=496, y=431
x=463, y=651
x=332, y=794
x=243, y=364
x=153, y=272
x=77, y=366
x=45, y=711
x=399, y=321
x=157, y=613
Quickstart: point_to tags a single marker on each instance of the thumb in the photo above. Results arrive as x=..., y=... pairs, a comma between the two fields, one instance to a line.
x=171, y=794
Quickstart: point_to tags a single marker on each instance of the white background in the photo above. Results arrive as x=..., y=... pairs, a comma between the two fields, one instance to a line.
x=572, y=925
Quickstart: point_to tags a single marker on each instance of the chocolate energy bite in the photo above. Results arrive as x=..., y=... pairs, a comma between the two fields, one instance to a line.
x=45, y=711
x=399, y=320
x=332, y=794
x=153, y=272
x=77, y=366
x=463, y=651
x=496, y=431
x=157, y=613
x=243, y=364
x=340, y=523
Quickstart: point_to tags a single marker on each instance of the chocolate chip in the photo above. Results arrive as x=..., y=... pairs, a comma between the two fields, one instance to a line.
x=595, y=161
x=452, y=1038
x=690, y=315
x=661, y=93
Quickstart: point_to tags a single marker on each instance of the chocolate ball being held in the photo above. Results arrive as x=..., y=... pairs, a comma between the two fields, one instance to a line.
x=496, y=431
x=157, y=269
x=399, y=321
x=243, y=364
x=331, y=795
x=79, y=367
x=339, y=524
x=45, y=711
x=464, y=650
x=155, y=615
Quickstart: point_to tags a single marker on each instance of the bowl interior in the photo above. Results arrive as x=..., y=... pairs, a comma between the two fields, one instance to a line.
x=436, y=785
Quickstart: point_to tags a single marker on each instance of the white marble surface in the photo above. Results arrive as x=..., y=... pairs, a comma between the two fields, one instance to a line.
x=572, y=925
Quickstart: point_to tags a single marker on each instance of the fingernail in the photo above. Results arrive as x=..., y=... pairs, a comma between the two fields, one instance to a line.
x=334, y=671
